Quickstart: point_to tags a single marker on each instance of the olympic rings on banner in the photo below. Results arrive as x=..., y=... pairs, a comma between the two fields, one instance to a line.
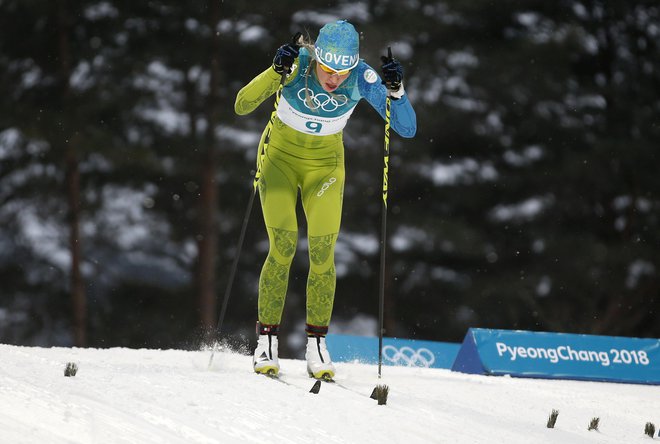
x=324, y=101
x=422, y=357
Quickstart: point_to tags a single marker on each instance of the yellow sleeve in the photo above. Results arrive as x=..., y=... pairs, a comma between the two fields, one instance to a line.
x=259, y=89
x=255, y=92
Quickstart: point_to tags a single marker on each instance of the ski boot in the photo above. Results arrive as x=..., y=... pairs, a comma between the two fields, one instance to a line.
x=265, y=359
x=319, y=364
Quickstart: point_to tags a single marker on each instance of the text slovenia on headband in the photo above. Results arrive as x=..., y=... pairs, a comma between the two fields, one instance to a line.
x=338, y=46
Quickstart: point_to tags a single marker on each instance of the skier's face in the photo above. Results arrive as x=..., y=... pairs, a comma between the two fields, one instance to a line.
x=330, y=80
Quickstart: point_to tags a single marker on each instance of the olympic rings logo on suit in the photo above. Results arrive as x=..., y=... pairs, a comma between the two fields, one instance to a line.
x=321, y=100
x=422, y=357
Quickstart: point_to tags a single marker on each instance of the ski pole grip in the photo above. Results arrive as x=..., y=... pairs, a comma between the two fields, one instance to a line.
x=296, y=39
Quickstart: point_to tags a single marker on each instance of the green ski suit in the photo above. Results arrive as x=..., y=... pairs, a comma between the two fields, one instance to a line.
x=307, y=153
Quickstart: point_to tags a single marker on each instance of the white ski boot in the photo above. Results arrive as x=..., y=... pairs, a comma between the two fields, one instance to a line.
x=265, y=355
x=319, y=364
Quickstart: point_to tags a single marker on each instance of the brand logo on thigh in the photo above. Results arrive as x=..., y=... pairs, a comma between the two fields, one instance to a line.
x=326, y=185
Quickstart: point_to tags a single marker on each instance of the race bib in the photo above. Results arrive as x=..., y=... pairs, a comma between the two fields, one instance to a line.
x=315, y=124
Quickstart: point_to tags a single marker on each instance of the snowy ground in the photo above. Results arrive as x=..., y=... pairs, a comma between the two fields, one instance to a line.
x=155, y=396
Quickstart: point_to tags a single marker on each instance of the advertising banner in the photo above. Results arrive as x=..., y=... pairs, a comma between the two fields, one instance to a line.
x=403, y=352
x=559, y=356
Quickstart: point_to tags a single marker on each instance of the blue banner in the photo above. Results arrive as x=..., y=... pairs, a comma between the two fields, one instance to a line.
x=403, y=352
x=560, y=356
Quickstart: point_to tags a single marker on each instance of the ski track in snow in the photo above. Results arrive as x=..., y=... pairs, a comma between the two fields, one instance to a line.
x=170, y=396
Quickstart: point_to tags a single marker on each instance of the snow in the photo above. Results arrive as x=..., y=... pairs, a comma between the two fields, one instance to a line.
x=465, y=171
x=525, y=210
x=171, y=396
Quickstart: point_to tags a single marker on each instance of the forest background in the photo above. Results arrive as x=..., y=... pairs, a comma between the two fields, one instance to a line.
x=529, y=199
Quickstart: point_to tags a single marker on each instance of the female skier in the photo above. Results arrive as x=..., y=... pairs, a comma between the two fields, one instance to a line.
x=324, y=81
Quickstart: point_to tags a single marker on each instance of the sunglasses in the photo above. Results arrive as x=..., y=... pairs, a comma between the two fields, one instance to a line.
x=329, y=70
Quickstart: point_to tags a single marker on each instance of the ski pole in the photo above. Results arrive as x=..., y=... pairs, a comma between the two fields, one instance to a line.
x=248, y=211
x=383, y=228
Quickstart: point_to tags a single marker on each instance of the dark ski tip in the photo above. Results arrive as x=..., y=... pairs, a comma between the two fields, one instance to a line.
x=316, y=388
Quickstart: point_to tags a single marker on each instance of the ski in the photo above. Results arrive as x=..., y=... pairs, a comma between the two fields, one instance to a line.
x=277, y=377
x=379, y=393
x=270, y=374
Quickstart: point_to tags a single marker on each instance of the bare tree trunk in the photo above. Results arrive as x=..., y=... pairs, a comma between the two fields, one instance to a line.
x=207, y=244
x=69, y=140
x=78, y=297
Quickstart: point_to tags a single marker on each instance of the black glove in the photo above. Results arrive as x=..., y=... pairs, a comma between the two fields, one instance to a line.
x=285, y=56
x=392, y=71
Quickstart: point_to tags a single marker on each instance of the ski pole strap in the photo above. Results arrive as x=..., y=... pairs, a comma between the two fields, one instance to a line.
x=268, y=329
x=316, y=330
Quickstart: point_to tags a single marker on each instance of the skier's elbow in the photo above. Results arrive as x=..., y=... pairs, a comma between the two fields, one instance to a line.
x=410, y=133
x=407, y=132
x=240, y=108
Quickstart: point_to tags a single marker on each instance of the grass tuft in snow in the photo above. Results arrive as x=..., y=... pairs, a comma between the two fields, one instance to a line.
x=380, y=393
x=71, y=369
x=552, y=420
x=650, y=429
x=593, y=425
